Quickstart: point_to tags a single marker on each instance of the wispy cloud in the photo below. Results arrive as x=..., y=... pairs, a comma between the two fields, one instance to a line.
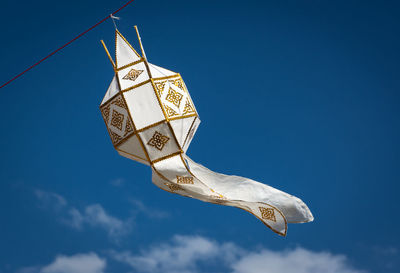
x=93, y=215
x=191, y=254
x=50, y=200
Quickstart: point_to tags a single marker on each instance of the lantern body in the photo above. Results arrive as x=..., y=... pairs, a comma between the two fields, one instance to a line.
x=147, y=109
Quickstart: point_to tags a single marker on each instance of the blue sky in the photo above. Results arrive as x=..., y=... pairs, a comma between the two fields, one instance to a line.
x=301, y=95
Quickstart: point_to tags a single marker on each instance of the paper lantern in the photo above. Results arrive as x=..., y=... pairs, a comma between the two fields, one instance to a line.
x=151, y=119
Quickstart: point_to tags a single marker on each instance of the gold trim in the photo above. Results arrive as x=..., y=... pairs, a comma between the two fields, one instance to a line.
x=284, y=218
x=151, y=126
x=165, y=157
x=166, y=77
x=110, y=99
x=128, y=65
x=159, y=100
x=135, y=86
x=176, y=139
x=133, y=122
x=140, y=42
x=190, y=98
x=182, y=117
x=108, y=53
x=142, y=130
x=123, y=38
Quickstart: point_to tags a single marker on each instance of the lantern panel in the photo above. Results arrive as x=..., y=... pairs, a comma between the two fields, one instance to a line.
x=191, y=134
x=132, y=75
x=182, y=128
x=133, y=149
x=174, y=97
x=159, y=141
x=112, y=90
x=143, y=106
x=124, y=52
x=117, y=119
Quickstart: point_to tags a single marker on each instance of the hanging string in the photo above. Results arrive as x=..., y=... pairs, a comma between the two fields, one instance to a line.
x=74, y=39
x=116, y=18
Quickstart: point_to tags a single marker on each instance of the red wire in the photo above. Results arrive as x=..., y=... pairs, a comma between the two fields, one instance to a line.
x=58, y=49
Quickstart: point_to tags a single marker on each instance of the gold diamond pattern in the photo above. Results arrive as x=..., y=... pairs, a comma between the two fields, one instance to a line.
x=132, y=75
x=117, y=119
x=174, y=97
x=158, y=141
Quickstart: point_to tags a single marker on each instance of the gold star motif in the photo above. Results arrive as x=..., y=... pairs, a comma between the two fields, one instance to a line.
x=158, y=140
x=132, y=75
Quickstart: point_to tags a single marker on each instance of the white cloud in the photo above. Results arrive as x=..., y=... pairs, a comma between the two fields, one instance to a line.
x=181, y=255
x=190, y=254
x=50, y=200
x=79, y=263
x=96, y=216
x=297, y=260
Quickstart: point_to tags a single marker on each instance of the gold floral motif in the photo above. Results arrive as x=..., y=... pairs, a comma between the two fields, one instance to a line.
x=115, y=138
x=268, y=214
x=188, y=108
x=160, y=87
x=158, y=140
x=178, y=83
x=117, y=119
x=174, y=97
x=119, y=102
x=170, y=112
x=174, y=187
x=184, y=179
x=132, y=75
x=106, y=112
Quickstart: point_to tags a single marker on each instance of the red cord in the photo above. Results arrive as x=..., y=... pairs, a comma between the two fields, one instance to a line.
x=58, y=49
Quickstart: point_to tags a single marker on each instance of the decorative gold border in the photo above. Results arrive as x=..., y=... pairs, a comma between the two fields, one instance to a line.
x=138, y=157
x=128, y=65
x=182, y=117
x=135, y=86
x=166, y=77
x=159, y=100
